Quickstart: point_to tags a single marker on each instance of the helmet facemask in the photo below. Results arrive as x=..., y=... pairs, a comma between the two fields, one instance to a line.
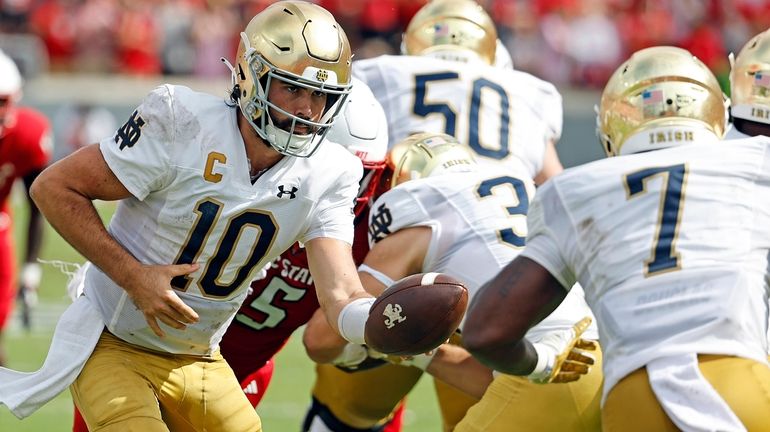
x=372, y=185
x=7, y=112
x=257, y=108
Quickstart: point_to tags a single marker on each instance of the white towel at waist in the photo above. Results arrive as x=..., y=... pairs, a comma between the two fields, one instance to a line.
x=688, y=398
x=74, y=339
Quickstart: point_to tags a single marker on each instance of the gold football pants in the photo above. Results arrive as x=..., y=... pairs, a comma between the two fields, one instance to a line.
x=744, y=384
x=365, y=398
x=126, y=388
x=515, y=403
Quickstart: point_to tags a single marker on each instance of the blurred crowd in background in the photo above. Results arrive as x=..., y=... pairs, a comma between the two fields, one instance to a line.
x=568, y=42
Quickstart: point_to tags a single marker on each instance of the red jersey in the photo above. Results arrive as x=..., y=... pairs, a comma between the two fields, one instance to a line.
x=277, y=305
x=24, y=148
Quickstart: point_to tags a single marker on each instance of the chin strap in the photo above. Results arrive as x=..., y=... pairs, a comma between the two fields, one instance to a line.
x=231, y=68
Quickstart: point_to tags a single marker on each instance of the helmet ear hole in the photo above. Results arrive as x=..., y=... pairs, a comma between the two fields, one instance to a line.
x=608, y=147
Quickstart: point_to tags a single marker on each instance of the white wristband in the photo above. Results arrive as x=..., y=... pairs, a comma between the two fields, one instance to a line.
x=544, y=365
x=31, y=273
x=352, y=320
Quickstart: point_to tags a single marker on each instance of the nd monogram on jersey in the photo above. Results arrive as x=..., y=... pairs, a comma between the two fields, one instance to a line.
x=503, y=115
x=678, y=245
x=478, y=220
x=182, y=158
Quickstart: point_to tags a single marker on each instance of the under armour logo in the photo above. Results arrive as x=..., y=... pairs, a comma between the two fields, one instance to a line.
x=380, y=224
x=130, y=132
x=291, y=193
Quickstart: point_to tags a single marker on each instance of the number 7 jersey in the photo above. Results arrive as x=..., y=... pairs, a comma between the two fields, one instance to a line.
x=182, y=157
x=671, y=247
x=501, y=114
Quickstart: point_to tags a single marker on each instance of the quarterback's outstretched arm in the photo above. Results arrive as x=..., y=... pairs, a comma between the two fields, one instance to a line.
x=338, y=286
x=64, y=193
x=396, y=256
x=389, y=260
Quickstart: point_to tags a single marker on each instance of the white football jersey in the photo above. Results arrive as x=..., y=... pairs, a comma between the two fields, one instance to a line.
x=501, y=114
x=733, y=133
x=671, y=247
x=478, y=223
x=182, y=157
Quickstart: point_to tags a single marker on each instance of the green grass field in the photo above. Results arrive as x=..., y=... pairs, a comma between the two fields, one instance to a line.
x=282, y=410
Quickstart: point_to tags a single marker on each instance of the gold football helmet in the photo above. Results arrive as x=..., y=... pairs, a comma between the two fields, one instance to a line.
x=451, y=29
x=298, y=43
x=660, y=97
x=750, y=80
x=425, y=154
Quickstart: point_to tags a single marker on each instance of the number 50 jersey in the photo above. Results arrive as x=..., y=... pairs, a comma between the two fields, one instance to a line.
x=182, y=157
x=501, y=114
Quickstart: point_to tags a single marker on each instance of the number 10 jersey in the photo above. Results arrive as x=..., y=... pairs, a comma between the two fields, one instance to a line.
x=182, y=157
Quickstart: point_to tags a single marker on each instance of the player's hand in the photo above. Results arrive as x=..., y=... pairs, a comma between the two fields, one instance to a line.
x=420, y=361
x=354, y=358
x=29, y=282
x=152, y=294
x=351, y=356
x=562, y=355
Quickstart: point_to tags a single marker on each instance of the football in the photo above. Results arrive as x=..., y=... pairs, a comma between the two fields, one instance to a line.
x=416, y=314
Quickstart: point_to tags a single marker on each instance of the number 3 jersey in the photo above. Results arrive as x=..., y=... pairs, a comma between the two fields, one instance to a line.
x=182, y=157
x=501, y=114
x=478, y=224
x=671, y=247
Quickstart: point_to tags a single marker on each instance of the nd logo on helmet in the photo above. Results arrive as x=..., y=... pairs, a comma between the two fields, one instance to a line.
x=322, y=75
